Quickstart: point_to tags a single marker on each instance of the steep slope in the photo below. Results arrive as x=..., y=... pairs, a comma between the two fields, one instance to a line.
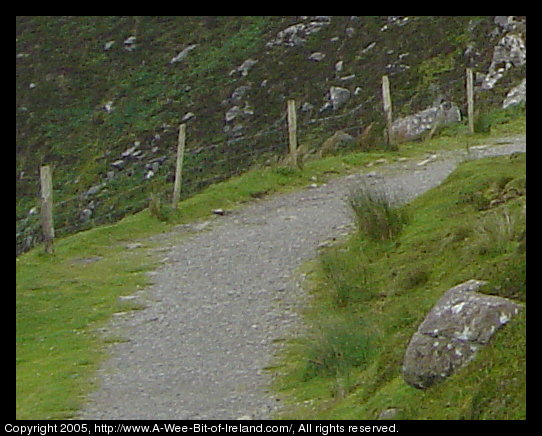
x=100, y=98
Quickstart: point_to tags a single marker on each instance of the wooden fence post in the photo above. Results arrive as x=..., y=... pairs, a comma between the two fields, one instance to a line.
x=386, y=97
x=292, y=132
x=179, y=166
x=470, y=99
x=47, y=208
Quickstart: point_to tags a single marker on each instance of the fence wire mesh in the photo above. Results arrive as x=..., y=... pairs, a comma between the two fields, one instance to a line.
x=206, y=164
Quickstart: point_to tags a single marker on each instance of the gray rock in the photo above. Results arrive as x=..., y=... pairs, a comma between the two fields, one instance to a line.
x=317, y=56
x=130, y=43
x=118, y=164
x=338, y=96
x=246, y=66
x=108, y=107
x=306, y=107
x=296, y=34
x=239, y=92
x=412, y=126
x=129, y=152
x=183, y=54
x=389, y=413
x=509, y=52
x=508, y=23
x=501, y=20
x=460, y=323
x=94, y=190
x=155, y=166
x=346, y=78
x=232, y=113
x=516, y=95
x=85, y=215
x=248, y=110
x=188, y=116
x=368, y=48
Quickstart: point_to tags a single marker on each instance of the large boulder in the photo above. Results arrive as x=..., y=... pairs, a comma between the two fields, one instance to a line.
x=461, y=322
x=413, y=126
x=510, y=52
x=338, y=96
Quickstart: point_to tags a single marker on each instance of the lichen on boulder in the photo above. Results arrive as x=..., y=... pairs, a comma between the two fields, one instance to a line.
x=461, y=322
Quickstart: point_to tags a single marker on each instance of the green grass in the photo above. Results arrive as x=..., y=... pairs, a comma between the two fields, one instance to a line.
x=377, y=217
x=382, y=289
x=62, y=302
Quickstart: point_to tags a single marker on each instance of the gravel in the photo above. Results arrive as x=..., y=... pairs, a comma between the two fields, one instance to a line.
x=227, y=292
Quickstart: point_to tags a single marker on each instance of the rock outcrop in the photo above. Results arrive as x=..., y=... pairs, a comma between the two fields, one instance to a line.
x=413, y=126
x=461, y=322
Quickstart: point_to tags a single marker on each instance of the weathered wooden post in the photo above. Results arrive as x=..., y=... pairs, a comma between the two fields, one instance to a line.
x=292, y=132
x=386, y=97
x=179, y=166
x=470, y=99
x=47, y=208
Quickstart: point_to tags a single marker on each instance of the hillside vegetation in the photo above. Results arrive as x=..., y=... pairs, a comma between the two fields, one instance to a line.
x=100, y=98
x=88, y=97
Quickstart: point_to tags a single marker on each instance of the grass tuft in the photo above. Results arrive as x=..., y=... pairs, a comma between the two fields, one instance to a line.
x=376, y=215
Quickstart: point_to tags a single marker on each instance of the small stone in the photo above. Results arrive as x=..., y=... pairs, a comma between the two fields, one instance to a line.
x=317, y=56
x=188, y=116
x=133, y=246
x=390, y=413
x=119, y=164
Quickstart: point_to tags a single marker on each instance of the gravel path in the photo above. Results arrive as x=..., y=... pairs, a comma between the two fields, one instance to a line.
x=226, y=292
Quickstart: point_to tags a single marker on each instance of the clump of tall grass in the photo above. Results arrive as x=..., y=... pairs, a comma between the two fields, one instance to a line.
x=347, y=278
x=501, y=230
x=377, y=215
x=337, y=346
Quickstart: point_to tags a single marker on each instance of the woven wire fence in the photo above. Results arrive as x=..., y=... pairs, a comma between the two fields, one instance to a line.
x=203, y=166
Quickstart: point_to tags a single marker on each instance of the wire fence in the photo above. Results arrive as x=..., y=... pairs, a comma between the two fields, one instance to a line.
x=203, y=165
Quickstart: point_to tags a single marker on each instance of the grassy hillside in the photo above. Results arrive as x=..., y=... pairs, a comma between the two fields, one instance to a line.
x=91, y=88
x=371, y=292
